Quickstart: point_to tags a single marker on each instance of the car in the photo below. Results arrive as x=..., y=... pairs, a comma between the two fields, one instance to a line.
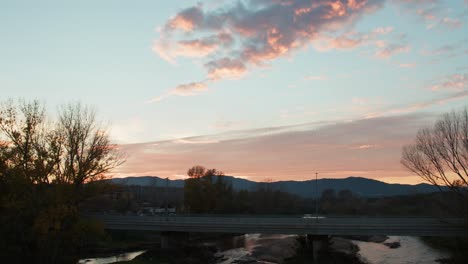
x=311, y=216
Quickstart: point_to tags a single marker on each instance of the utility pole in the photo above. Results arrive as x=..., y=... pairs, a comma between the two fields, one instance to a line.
x=317, y=196
x=167, y=194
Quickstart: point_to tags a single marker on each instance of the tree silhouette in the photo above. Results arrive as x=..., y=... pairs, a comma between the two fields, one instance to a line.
x=44, y=166
x=440, y=155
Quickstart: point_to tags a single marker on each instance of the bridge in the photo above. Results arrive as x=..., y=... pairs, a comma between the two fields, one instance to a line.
x=291, y=225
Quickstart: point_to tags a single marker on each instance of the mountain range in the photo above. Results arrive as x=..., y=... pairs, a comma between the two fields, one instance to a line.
x=362, y=186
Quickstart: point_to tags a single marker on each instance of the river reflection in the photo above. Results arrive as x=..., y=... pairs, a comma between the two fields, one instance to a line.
x=113, y=259
x=411, y=251
x=258, y=248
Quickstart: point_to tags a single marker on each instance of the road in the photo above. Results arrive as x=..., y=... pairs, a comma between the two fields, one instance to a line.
x=290, y=225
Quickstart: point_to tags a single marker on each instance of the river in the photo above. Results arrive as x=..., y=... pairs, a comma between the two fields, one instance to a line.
x=411, y=251
x=275, y=248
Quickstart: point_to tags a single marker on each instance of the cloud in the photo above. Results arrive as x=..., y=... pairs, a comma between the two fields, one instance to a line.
x=225, y=68
x=442, y=50
x=371, y=147
x=195, y=47
x=456, y=82
x=407, y=65
x=234, y=37
x=316, y=77
x=413, y=107
x=451, y=23
x=196, y=141
x=187, y=20
x=365, y=146
x=188, y=89
x=386, y=50
x=383, y=30
x=244, y=34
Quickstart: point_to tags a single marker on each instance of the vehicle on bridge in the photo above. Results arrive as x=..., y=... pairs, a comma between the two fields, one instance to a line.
x=311, y=216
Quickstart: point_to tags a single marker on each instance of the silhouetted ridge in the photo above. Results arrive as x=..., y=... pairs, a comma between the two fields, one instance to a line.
x=359, y=185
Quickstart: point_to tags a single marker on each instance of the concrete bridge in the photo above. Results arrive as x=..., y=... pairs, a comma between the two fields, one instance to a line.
x=291, y=225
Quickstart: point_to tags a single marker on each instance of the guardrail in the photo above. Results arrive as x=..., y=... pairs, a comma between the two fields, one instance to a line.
x=288, y=225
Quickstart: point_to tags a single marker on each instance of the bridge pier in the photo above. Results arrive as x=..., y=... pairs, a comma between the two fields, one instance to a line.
x=317, y=243
x=173, y=239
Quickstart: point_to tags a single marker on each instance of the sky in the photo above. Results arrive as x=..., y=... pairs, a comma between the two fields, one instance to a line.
x=259, y=89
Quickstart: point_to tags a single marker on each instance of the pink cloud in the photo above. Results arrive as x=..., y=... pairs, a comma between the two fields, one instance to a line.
x=197, y=47
x=457, y=82
x=187, y=20
x=291, y=153
x=387, y=50
x=451, y=23
x=260, y=31
x=187, y=89
x=346, y=42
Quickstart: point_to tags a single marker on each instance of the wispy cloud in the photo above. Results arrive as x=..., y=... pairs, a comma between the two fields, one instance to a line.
x=407, y=65
x=290, y=153
x=432, y=13
x=316, y=77
x=418, y=106
x=456, y=82
x=188, y=89
x=386, y=50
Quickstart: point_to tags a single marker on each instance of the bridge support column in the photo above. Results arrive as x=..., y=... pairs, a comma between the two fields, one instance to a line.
x=317, y=243
x=173, y=239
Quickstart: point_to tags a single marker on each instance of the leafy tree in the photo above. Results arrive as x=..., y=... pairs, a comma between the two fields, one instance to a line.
x=206, y=191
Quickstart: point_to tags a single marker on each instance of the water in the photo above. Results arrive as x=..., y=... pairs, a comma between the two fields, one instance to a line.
x=259, y=247
x=275, y=248
x=411, y=251
x=120, y=257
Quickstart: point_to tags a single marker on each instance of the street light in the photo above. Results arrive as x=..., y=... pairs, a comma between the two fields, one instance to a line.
x=316, y=198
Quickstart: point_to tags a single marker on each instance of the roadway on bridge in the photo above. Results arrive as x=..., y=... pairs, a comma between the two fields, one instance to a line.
x=290, y=225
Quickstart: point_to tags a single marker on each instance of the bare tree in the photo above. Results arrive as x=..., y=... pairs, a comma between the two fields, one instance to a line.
x=440, y=153
x=75, y=149
x=87, y=152
x=28, y=148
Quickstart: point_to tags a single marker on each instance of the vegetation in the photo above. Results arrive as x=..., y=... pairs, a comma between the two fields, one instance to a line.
x=440, y=157
x=47, y=169
x=206, y=191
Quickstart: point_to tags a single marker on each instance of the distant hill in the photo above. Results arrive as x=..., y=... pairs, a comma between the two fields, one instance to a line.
x=362, y=186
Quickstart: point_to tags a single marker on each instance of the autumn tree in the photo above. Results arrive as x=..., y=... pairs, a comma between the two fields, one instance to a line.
x=439, y=155
x=44, y=165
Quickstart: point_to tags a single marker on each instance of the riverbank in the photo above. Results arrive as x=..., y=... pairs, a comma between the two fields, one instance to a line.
x=257, y=248
x=339, y=251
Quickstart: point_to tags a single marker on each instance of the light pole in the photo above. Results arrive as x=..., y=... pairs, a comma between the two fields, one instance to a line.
x=316, y=198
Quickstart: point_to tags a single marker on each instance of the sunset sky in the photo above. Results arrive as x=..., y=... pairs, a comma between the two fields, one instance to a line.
x=259, y=89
